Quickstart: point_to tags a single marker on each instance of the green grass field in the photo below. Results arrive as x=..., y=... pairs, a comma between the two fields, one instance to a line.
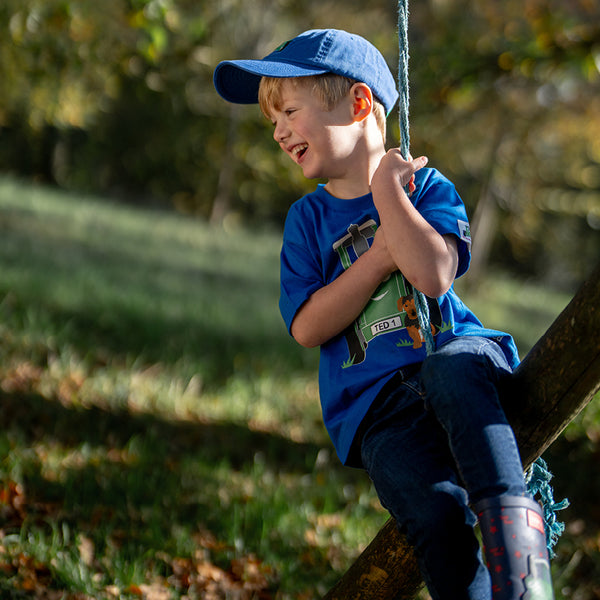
x=161, y=434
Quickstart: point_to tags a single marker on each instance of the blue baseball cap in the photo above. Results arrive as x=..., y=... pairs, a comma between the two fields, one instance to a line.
x=311, y=53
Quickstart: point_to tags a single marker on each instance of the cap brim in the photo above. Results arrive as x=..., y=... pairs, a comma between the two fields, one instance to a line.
x=238, y=80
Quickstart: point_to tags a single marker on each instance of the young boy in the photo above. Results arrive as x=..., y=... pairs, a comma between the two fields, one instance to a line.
x=429, y=430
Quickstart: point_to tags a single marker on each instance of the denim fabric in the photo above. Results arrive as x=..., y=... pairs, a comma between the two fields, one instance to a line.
x=436, y=442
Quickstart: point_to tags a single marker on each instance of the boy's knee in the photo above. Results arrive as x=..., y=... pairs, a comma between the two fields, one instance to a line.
x=443, y=370
x=451, y=369
x=458, y=386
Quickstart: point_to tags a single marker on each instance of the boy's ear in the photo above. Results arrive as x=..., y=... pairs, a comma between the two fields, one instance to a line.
x=362, y=101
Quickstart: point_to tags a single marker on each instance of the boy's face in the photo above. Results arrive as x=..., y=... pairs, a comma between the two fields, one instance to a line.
x=318, y=140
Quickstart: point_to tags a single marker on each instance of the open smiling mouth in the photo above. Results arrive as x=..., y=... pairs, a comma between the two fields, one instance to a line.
x=299, y=151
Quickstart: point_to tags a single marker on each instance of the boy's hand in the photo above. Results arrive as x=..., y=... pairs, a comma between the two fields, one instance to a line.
x=426, y=258
x=394, y=165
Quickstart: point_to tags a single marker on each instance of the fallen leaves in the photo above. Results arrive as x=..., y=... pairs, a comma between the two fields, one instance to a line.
x=27, y=573
x=71, y=526
x=21, y=378
x=246, y=578
x=12, y=504
x=243, y=578
x=21, y=570
x=26, y=377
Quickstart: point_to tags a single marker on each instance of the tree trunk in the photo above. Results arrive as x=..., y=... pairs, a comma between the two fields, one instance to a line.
x=555, y=381
x=222, y=202
x=485, y=219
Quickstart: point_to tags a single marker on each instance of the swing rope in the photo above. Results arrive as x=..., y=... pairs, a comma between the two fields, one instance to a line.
x=538, y=477
x=403, y=83
x=403, y=88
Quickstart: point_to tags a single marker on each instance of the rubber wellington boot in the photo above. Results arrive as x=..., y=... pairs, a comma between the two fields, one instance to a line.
x=514, y=540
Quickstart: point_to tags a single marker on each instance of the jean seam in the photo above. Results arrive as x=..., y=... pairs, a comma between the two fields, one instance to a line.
x=413, y=388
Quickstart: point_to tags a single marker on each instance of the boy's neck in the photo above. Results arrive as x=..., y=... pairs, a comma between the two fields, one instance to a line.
x=357, y=180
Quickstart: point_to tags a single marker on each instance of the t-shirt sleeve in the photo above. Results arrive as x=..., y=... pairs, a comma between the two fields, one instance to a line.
x=300, y=272
x=438, y=201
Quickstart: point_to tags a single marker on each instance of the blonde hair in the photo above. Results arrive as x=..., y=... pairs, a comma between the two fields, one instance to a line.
x=329, y=88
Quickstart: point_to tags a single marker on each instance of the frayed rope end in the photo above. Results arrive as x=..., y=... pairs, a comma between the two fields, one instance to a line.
x=538, y=479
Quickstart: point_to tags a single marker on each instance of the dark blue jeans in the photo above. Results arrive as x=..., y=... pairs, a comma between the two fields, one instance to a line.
x=436, y=441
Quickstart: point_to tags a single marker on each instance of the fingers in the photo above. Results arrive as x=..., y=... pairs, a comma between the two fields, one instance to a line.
x=395, y=166
x=419, y=163
x=415, y=163
x=411, y=166
x=411, y=185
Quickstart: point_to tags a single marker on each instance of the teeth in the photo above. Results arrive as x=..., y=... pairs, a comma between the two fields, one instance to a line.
x=299, y=148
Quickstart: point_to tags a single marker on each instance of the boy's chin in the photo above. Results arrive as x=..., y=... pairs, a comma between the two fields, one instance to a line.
x=312, y=173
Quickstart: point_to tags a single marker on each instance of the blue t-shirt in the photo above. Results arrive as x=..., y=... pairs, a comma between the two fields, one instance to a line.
x=323, y=236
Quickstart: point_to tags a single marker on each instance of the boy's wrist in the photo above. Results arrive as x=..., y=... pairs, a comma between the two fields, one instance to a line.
x=380, y=262
x=389, y=196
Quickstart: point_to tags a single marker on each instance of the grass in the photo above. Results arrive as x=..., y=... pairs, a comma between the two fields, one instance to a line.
x=161, y=435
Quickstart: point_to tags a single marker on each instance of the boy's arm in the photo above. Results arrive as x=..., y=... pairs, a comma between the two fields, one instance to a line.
x=427, y=259
x=335, y=306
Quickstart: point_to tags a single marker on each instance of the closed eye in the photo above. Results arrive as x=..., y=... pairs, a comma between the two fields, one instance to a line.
x=287, y=112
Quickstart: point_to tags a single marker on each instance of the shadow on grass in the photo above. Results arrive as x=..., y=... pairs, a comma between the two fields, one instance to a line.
x=33, y=418
x=146, y=484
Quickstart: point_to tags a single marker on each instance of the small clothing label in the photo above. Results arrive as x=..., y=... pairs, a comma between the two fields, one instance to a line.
x=465, y=232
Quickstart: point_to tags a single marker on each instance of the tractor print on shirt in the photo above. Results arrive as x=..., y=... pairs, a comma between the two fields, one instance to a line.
x=392, y=306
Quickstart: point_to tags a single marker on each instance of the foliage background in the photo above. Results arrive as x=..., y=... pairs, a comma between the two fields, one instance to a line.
x=117, y=97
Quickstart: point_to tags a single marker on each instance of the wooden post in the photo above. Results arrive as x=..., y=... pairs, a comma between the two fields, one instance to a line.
x=555, y=381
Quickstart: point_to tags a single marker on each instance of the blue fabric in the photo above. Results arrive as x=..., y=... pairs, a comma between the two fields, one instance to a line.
x=433, y=443
x=313, y=52
x=323, y=235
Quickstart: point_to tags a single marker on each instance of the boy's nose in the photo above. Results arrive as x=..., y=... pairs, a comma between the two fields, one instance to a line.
x=281, y=132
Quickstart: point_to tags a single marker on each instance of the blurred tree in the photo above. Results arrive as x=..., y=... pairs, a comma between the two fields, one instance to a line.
x=507, y=100
x=117, y=97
